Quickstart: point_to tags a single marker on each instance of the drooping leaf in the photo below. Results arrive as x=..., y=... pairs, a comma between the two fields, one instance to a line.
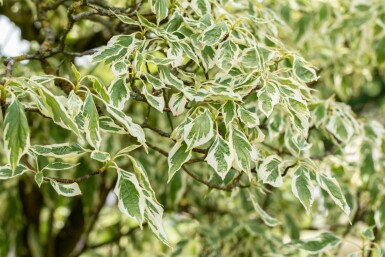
x=155, y=101
x=169, y=78
x=303, y=71
x=199, y=131
x=178, y=155
x=270, y=171
x=55, y=109
x=177, y=103
x=16, y=133
x=244, y=152
x=134, y=129
x=267, y=219
x=268, y=97
x=302, y=187
x=220, y=156
x=91, y=122
x=119, y=93
x=331, y=186
x=156, y=83
x=131, y=200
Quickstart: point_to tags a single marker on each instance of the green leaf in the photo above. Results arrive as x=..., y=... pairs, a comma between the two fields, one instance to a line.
x=229, y=112
x=16, y=133
x=270, y=171
x=66, y=150
x=214, y=34
x=131, y=200
x=6, y=172
x=91, y=122
x=100, y=156
x=331, y=186
x=248, y=118
x=268, y=97
x=68, y=190
x=220, y=156
x=160, y=8
x=321, y=243
x=177, y=103
x=199, y=131
x=76, y=72
x=302, y=187
x=155, y=101
x=134, y=129
x=60, y=166
x=303, y=71
x=119, y=93
x=266, y=218
x=178, y=155
x=244, y=152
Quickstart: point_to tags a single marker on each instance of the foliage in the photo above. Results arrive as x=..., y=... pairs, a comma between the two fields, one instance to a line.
x=199, y=121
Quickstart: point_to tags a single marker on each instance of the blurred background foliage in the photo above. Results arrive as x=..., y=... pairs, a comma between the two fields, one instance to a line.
x=344, y=39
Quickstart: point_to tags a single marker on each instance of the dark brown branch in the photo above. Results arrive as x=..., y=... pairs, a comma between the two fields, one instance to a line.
x=76, y=180
x=62, y=180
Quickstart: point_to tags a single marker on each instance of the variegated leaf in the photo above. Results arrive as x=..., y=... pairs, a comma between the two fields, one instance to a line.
x=177, y=156
x=220, y=156
x=91, y=122
x=270, y=171
x=16, y=133
x=199, y=131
